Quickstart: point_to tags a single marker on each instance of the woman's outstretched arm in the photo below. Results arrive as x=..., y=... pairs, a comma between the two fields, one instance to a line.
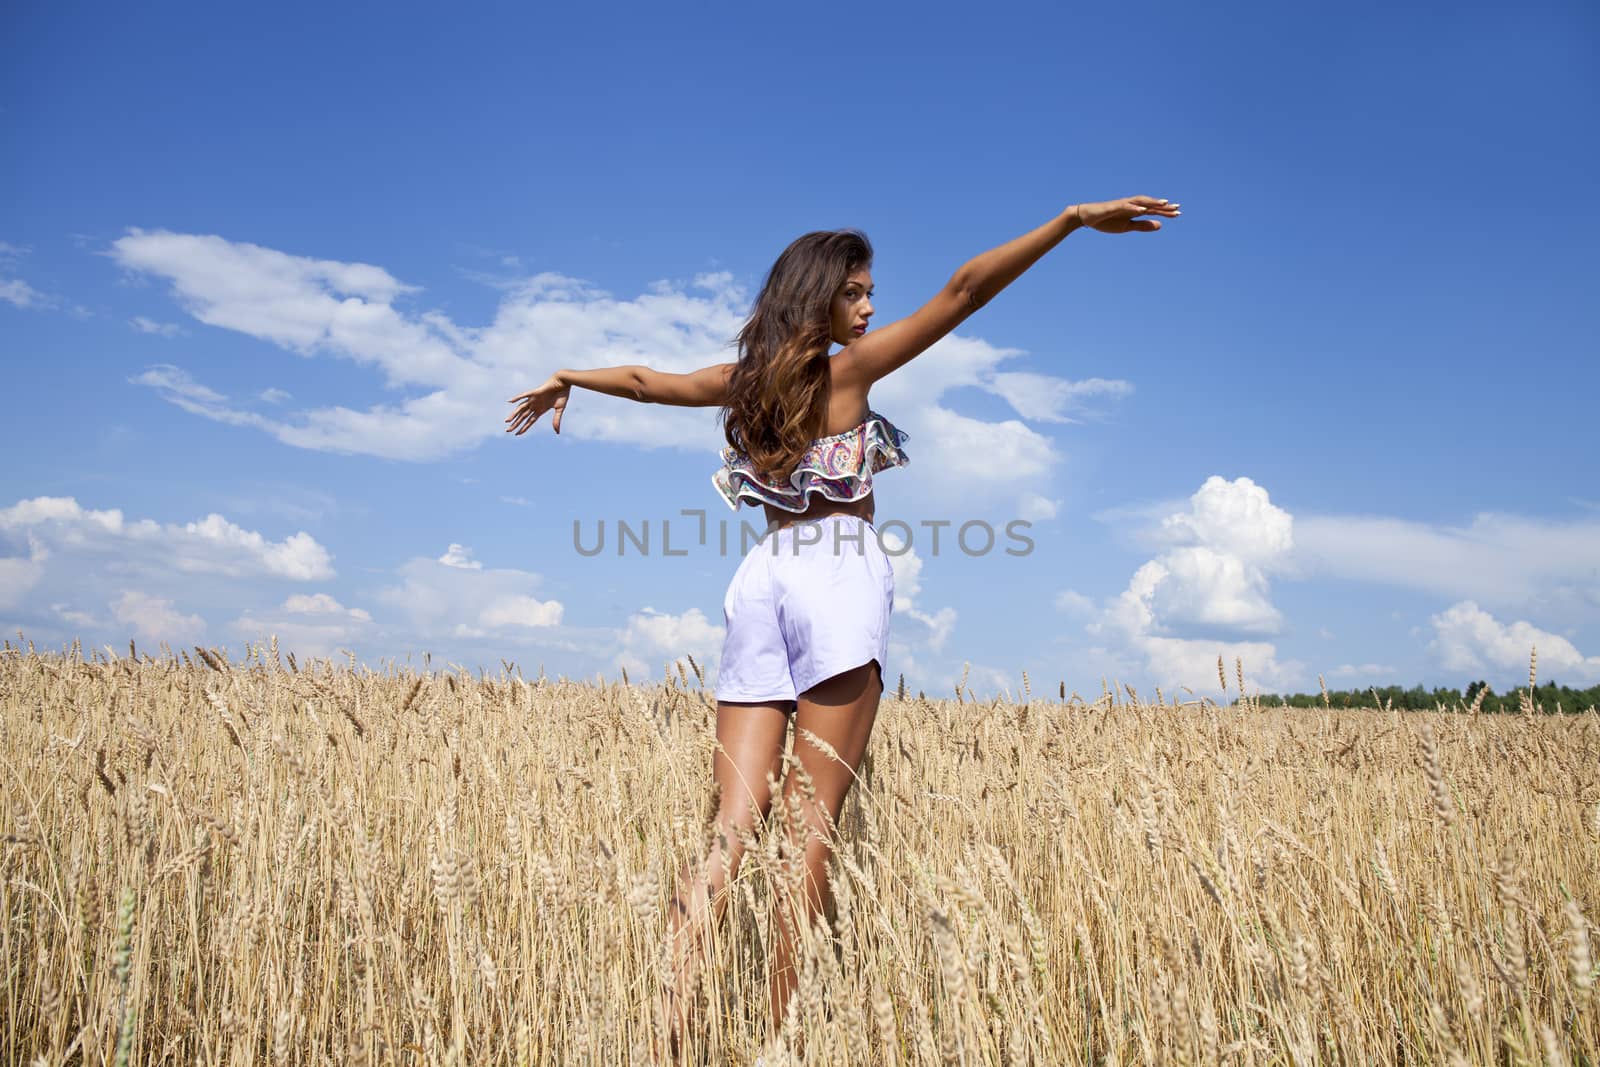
x=706, y=387
x=980, y=278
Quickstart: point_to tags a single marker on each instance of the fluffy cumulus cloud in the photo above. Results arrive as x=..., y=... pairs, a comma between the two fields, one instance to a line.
x=19, y=574
x=995, y=457
x=973, y=451
x=1074, y=603
x=209, y=545
x=1208, y=593
x=1235, y=518
x=63, y=510
x=216, y=543
x=452, y=378
x=1208, y=590
x=154, y=619
x=308, y=624
x=1214, y=577
x=1468, y=638
x=473, y=603
x=72, y=570
x=460, y=557
x=67, y=570
x=652, y=638
x=1202, y=588
x=521, y=611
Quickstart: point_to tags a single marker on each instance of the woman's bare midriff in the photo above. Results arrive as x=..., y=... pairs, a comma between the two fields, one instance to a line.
x=820, y=506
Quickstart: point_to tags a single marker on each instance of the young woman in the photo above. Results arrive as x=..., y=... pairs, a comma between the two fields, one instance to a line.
x=807, y=612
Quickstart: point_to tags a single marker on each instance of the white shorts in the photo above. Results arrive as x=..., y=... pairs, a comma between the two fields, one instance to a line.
x=809, y=601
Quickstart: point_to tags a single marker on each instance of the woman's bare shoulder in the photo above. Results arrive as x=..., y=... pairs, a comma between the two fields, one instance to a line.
x=847, y=399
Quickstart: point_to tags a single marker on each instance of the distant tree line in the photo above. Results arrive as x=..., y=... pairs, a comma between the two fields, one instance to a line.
x=1546, y=698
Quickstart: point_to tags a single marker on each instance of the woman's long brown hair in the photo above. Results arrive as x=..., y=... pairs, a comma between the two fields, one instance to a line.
x=778, y=391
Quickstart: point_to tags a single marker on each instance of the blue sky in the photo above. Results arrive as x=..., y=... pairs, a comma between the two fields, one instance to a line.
x=265, y=284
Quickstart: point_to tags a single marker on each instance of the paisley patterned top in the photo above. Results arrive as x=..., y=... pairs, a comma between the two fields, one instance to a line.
x=838, y=467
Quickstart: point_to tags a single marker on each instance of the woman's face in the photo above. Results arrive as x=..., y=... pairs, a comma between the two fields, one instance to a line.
x=852, y=307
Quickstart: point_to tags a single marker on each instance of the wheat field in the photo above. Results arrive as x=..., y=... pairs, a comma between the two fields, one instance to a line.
x=215, y=862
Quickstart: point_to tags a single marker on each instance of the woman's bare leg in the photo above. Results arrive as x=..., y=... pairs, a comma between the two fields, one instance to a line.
x=840, y=711
x=750, y=741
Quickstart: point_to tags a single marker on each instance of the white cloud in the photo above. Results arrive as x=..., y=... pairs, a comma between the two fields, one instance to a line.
x=979, y=453
x=660, y=632
x=57, y=509
x=907, y=567
x=154, y=619
x=1363, y=671
x=210, y=545
x=1208, y=590
x=1074, y=603
x=1199, y=587
x=480, y=604
x=456, y=378
x=160, y=329
x=177, y=387
x=274, y=396
x=460, y=557
x=322, y=631
x=73, y=617
x=940, y=623
x=257, y=290
x=177, y=381
x=1193, y=662
x=653, y=638
x=20, y=574
x=938, y=676
x=69, y=570
x=1215, y=575
x=312, y=624
x=1048, y=399
x=1502, y=560
x=1236, y=518
x=1467, y=638
x=521, y=611
x=1034, y=508
x=322, y=604
x=297, y=557
x=18, y=292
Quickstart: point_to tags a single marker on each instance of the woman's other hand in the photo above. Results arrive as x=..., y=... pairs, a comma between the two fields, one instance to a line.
x=1122, y=216
x=551, y=396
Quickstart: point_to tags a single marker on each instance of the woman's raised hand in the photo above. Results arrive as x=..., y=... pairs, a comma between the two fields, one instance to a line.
x=551, y=396
x=1122, y=216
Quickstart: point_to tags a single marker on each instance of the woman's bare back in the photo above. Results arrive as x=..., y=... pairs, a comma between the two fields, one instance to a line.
x=847, y=408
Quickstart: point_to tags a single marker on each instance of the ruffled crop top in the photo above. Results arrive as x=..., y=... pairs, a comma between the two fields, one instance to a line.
x=838, y=467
